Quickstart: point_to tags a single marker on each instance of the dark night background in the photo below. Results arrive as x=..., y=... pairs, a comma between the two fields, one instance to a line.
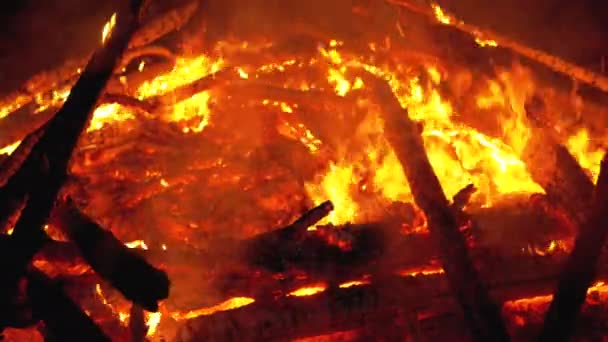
x=39, y=34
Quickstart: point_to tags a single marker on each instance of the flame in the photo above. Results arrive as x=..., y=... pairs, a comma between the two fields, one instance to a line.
x=308, y=290
x=109, y=113
x=579, y=144
x=185, y=71
x=152, y=322
x=335, y=186
x=10, y=148
x=485, y=42
x=230, y=304
x=455, y=150
x=141, y=244
x=108, y=28
x=440, y=15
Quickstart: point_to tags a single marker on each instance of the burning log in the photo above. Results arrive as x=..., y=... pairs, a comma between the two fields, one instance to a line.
x=346, y=308
x=580, y=270
x=155, y=28
x=404, y=136
x=554, y=63
x=121, y=267
x=262, y=250
x=25, y=118
x=44, y=171
x=137, y=324
x=554, y=168
x=63, y=319
x=14, y=197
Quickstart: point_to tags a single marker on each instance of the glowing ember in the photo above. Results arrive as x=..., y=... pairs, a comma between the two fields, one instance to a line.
x=539, y=304
x=308, y=291
x=430, y=270
x=353, y=283
x=230, y=304
x=141, y=244
x=486, y=42
x=108, y=28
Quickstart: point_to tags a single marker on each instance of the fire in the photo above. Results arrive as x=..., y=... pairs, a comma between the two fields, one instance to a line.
x=308, y=290
x=440, y=15
x=353, y=284
x=518, y=309
x=485, y=42
x=230, y=304
x=109, y=113
x=454, y=149
x=579, y=144
x=108, y=28
x=10, y=148
x=429, y=270
x=152, y=321
x=185, y=72
x=141, y=244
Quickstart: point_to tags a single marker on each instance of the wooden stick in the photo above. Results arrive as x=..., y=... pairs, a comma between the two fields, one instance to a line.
x=403, y=134
x=580, y=269
x=122, y=267
x=137, y=324
x=44, y=172
x=552, y=62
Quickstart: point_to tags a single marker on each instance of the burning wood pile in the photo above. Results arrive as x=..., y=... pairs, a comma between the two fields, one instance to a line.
x=189, y=181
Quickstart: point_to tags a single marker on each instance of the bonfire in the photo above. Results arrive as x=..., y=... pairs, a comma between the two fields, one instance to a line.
x=189, y=182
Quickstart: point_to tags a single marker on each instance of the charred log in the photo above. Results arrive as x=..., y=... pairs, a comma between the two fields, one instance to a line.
x=580, y=269
x=404, y=136
x=63, y=319
x=121, y=267
x=352, y=308
x=554, y=168
x=43, y=173
x=553, y=62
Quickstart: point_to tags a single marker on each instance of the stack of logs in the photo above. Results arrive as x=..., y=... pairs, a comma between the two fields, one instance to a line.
x=34, y=175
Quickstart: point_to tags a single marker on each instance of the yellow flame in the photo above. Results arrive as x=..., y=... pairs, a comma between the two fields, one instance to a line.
x=141, y=244
x=152, y=321
x=108, y=28
x=579, y=144
x=10, y=148
x=440, y=15
x=485, y=42
x=109, y=113
x=335, y=186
